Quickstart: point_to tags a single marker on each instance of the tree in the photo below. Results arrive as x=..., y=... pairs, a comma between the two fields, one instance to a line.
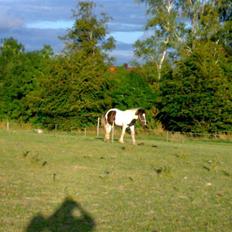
x=197, y=95
x=74, y=92
x=206, y=21
x=18, y=74
x=166, y=32
x=130, y=90
x=88, y=32
x=72, y=95
x=224, y=36
x=175, y=25
x=11, y=87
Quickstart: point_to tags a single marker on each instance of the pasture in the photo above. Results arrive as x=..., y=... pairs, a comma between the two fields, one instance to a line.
x=64, y=182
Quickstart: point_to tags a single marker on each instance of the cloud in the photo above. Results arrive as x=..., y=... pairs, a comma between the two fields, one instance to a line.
x=60, y=24
x=35, y=22
x=127, y=37
x=124, y=13
x=34, y=10
x=123, y=53
x=10, y=22
x=35, y=39
x=116, y=26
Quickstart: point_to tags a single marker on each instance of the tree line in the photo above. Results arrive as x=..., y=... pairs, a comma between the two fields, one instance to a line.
x=184, y=71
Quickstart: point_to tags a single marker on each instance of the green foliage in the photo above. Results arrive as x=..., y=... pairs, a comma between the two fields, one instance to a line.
x=130, y=90
x=70, y=90
x=166, y=32
x=174, y=27
x=89, y=32
x=224, y=36
x=18, y=77
x=75, y=91
x=73, y=94
x=197, y=95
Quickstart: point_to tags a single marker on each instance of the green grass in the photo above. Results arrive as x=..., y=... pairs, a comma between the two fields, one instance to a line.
x=153, y=187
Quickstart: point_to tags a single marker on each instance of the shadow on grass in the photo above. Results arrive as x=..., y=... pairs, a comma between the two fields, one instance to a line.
x=69, y=217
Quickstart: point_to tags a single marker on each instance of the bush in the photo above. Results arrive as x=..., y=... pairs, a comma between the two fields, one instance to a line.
x=197, y=95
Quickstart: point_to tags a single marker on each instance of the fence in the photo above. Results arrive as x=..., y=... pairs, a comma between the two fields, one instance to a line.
x=98, y=132
x=171, y=136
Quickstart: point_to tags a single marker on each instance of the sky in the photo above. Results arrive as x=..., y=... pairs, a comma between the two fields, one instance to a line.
x=37, y=22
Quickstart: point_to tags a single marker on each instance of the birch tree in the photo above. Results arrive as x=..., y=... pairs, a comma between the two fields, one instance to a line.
x=175, y=26
x=164, y=30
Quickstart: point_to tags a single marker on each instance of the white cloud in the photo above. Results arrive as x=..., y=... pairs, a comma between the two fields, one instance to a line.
x=38, y=22
x=7, y=21
x=60, y=24
x=127, y=37
x=122, y=53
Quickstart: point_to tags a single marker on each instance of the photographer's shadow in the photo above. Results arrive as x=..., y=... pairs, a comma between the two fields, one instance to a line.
x=69, y=217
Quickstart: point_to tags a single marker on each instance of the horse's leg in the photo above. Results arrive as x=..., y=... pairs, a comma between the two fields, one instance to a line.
x=122, y=134
x=108, y=128
x=132, y=129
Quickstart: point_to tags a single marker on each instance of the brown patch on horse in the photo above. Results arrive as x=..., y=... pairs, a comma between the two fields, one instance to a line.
x=111, y=117
x=140, y=112
x=132, y=123
x=141, y=118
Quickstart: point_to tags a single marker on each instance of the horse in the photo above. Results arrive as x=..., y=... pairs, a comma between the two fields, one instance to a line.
x=125, y=119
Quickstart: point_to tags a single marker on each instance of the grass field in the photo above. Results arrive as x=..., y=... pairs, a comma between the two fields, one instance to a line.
x=64, y=183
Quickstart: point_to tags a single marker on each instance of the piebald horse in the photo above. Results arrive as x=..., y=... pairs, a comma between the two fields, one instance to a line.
x=125, y=119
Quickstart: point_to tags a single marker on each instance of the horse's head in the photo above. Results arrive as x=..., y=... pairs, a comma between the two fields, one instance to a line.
x=142, y=117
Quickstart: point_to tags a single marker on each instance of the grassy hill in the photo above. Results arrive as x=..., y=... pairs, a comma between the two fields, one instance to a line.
x=60, y=182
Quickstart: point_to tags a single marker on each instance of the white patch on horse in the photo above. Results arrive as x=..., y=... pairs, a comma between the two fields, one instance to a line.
x=125, y=119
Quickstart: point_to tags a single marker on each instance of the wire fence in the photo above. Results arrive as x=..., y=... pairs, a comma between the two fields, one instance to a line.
x=225, y=136
x=98, y=132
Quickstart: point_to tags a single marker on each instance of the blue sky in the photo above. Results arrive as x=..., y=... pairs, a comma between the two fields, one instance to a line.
x=38, y=22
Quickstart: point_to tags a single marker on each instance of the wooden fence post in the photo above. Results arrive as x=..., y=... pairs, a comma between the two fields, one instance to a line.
x=7, y=125
x=167, y=135
x=98, y=126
